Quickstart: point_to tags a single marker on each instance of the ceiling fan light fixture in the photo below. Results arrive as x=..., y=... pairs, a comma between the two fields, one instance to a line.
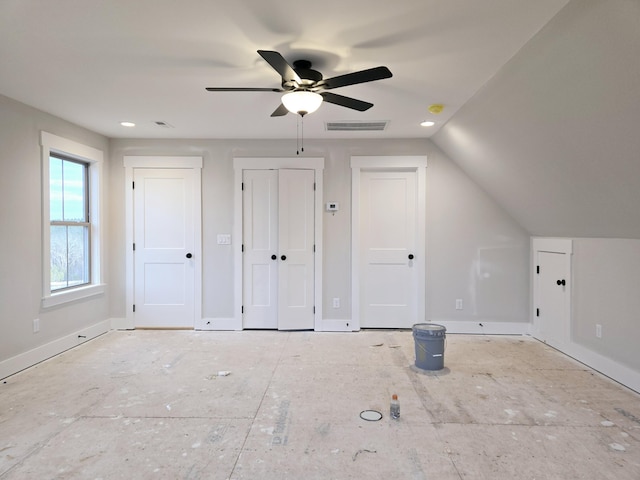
x=302, y=102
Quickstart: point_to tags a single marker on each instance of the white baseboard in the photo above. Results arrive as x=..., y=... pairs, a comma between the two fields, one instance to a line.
x=484, y=327
x=217, y=324
x=27, y=359
x=606, y=366
x=329, y=325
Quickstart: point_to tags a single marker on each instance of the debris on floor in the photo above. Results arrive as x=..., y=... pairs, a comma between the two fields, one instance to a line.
x=364, y=450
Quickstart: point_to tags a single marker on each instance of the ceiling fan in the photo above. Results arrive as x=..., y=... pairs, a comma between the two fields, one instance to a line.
x=305, y=88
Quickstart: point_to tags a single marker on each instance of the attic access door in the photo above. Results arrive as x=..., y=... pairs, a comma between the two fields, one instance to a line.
x=552, y=291
x=278, y=244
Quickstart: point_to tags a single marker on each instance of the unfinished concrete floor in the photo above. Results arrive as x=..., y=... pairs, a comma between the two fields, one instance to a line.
x=150, y=404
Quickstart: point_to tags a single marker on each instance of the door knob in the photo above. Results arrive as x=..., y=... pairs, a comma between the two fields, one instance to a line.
x=273, y=257
x=283, y=257
x=561, y=282
x=411, y=256
x=189, y=255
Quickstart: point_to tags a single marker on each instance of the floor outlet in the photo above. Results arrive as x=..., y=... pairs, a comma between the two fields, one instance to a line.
x=598, y=330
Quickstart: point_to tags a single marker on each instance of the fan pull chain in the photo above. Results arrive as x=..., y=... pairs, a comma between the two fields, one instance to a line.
x=299, y=134
x=302, y=134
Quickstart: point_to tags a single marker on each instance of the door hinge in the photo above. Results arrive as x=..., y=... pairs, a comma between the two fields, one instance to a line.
x=242, y=247
x=314, y=186
x=538, y=269
x=314, y=309
x=537, y=312
x=314, y=248
x=242, y=309
x=134, y=308
x=134, y=247
x=133, y=185
x=242, y=186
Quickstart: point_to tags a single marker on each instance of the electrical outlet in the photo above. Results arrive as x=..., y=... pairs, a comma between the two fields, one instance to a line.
x=598, y=330
x=336, y=302
x=36, y=325
x=458, y=304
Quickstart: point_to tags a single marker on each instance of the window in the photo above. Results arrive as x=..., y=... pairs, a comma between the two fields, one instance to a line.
x=69, y=223
x=71, y=177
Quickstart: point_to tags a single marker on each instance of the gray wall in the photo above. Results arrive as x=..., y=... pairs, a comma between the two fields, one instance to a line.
x=21, y=224
x=606, y=277
x=553, y=137
x=475, y=251
x=465, y=229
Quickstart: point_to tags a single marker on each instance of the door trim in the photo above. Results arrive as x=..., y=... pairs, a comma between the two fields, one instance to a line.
x=417, y=164
x=560, y=246
x=161, y=162
x=275, y=163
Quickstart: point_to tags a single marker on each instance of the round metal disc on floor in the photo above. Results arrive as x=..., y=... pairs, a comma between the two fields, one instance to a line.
x=370, y=415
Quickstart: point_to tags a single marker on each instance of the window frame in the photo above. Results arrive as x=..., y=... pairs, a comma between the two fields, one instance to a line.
x=93, y=158
x=85, y=223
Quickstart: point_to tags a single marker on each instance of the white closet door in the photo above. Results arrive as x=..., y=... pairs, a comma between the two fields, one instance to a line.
x=260, y=243
x=296, y=244
x=278, y=258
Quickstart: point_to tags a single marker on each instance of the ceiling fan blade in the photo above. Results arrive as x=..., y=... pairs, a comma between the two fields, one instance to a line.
x=346, y=101
x=280, y=111
x=242, y=89
x=280, y=65
x=363, y=76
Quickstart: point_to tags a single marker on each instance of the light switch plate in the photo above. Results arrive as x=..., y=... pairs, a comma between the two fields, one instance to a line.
x=224, y=239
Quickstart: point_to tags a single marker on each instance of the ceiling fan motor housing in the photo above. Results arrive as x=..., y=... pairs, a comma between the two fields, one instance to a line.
x=308, y=76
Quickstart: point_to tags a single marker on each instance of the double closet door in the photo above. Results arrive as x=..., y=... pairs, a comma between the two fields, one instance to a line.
x=278, y=249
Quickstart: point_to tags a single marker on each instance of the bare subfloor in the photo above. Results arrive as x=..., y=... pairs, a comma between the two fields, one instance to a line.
x=151, y=404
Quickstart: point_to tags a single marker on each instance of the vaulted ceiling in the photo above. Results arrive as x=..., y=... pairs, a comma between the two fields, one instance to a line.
x=145, y=61
x=542, y=98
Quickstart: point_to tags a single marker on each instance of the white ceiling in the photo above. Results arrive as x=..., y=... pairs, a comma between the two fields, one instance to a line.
x=99, y=63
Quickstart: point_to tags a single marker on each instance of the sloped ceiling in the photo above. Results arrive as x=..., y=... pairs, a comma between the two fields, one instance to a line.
x=555, y=135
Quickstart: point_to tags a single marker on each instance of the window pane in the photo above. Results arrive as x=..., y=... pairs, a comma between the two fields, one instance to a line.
x=74, y=209
x=69, y=256
x=58, y=257
x=55, y=189
x=78, y=264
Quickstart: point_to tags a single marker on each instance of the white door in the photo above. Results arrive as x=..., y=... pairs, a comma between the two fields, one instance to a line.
x=296, y=244
x=388, y=229
x=260, y=245
x=552, y=298
x=164, y=239
x=278, y=243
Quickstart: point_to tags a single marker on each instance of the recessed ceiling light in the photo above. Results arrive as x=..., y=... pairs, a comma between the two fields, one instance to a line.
x=127, y=124
x=428, y=123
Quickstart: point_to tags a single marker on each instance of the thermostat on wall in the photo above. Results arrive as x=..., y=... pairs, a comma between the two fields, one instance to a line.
x=332, y=207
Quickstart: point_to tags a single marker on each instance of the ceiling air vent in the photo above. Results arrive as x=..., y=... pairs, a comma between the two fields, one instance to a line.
x=162, y=124
x=356, y=126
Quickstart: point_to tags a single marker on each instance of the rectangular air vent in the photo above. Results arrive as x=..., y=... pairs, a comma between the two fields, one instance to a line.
x=376, y=126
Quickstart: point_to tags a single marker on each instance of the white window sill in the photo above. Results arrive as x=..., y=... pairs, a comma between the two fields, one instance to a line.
x=72, y=295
